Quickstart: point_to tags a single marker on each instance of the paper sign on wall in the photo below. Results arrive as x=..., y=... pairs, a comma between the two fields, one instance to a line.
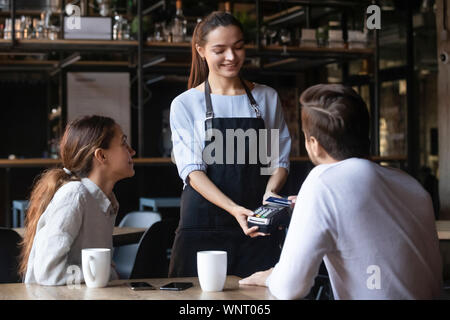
x=102, y=93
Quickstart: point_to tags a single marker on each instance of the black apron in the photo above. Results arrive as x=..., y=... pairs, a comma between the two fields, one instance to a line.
x=204, y=226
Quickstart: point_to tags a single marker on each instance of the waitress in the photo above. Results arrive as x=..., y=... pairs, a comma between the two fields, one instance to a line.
x=218, y=197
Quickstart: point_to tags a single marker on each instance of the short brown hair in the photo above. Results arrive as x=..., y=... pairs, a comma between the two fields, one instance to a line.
x=338, y=118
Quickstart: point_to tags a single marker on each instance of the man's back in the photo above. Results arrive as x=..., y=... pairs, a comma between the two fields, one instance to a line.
x=386, y=240
x=374, y=228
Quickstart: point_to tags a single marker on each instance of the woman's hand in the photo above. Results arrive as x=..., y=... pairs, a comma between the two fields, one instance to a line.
x=269, y=194
x=241, y=214
x=293, y=199
x=275, y=183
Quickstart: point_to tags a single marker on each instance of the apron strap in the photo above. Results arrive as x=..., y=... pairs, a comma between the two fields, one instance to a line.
x=250, y=97
x=209, y=109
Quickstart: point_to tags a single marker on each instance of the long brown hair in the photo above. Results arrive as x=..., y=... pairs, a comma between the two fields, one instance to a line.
x=338, y=118
x=81, y=138
x=199, y=67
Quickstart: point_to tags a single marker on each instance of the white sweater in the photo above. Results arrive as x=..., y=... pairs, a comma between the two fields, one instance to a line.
x=374, y=228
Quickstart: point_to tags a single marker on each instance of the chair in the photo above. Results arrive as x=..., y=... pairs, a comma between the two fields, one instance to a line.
x=321, y=289
x=18, y=210
x=124, y=256
x=9, y=253
x=152, y=259
x=154, y=203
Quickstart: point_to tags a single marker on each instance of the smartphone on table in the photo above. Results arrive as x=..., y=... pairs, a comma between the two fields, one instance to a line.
x=141, y=286
x=176, y=286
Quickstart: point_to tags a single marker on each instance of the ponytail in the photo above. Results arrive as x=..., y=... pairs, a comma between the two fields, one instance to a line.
x=78, y=144
x=199, y=67
x=43, y=191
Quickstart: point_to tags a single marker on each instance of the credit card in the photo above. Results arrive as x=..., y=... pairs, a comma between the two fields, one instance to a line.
x=279, y=201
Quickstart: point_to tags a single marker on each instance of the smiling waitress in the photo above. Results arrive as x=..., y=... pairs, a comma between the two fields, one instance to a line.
x=218, y=197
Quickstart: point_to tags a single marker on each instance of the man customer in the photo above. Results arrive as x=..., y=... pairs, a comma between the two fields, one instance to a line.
x=373, y=226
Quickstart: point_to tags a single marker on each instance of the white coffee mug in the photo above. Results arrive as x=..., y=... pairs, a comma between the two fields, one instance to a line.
x=96, y=264
x=212, y=269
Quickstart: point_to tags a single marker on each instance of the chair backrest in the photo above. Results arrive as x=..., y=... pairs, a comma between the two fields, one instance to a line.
x=124, y=256
x=9, y=253
x=152, y=260
x=140, y=219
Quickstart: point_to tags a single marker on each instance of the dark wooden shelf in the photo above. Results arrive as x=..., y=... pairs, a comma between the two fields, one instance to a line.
x=282, y=51
x=45, y=45
x=36, y=65
x=39, y=162
x=34, y=13
x=185, y=47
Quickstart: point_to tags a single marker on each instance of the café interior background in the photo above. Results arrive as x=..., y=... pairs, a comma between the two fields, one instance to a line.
x=292, y=45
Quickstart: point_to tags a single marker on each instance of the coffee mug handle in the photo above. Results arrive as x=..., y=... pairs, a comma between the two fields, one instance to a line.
x=88, y=274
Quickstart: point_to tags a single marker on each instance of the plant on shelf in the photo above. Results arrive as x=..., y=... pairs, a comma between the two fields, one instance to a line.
x=147, y=27
x=249, y=24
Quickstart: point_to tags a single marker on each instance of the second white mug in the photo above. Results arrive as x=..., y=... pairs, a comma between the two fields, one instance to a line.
x=212, y=269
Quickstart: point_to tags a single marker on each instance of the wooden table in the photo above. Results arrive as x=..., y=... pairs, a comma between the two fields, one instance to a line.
x=121, y=236
x=443, y=229
x=118, y=290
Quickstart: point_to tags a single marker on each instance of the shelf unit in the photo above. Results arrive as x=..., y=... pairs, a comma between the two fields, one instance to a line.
x=138, y=48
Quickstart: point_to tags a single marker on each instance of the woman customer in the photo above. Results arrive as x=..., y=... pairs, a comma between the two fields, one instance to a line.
x=74, y=207
x=220, y=195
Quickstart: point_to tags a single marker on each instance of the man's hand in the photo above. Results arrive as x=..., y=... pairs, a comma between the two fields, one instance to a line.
x=257, y=279
x=293, y=199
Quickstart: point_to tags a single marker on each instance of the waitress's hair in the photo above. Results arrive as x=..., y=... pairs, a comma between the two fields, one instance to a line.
x=338, y=118
x=78, y=144
x=199, y=67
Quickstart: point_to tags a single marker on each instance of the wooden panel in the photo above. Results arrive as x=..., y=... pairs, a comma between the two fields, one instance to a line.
x=37, y=162
x=121, y=235
x=443, y=45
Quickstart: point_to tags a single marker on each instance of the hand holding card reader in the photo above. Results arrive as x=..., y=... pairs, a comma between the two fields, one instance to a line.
x=270, y=217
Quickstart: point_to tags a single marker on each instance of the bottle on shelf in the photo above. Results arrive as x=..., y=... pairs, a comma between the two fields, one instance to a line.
x=322, y=36
x=130, y=8
x=28, y=28
x=228, y=7
x=178, y=25
x=7, y=31
x=19, y=27
x=38, y=29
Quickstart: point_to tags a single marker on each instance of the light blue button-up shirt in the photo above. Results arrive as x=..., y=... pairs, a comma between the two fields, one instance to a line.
x=187, y=122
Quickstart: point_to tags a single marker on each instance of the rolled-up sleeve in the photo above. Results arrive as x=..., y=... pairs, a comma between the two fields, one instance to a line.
x=187, y=140
x=51, y=255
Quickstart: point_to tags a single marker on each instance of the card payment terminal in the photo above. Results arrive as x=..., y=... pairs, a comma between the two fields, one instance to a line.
x=270, y=217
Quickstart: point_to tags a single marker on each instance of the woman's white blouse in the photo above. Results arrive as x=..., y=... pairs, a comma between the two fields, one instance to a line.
x=187, y=122
x=79, y=216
